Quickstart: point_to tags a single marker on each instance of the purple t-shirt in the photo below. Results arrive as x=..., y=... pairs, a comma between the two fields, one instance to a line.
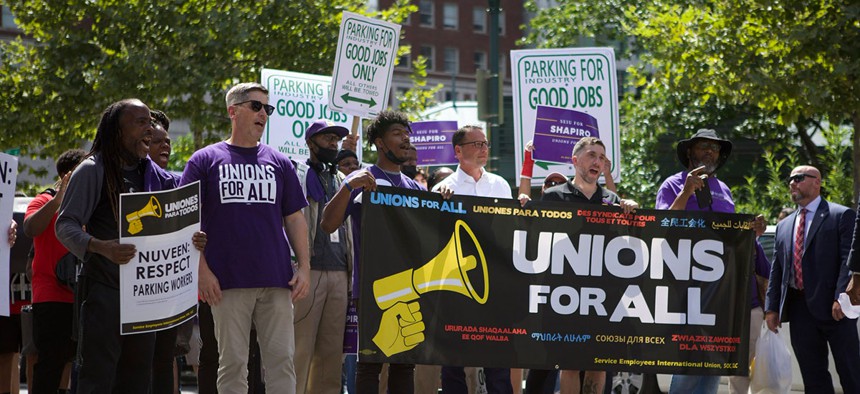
x=245, y=194
x=353, y=210
x=721, y=196
x=721, y=201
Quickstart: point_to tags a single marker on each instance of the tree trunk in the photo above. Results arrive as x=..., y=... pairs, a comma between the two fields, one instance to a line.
x=808, y=146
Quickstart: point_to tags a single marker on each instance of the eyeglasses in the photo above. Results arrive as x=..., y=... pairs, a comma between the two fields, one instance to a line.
x=552, y=183
x=797, y=178
x=256, y=106
x=477, y=144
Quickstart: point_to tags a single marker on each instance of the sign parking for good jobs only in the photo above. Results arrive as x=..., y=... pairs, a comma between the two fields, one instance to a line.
x=574, y=79
x=363, y=65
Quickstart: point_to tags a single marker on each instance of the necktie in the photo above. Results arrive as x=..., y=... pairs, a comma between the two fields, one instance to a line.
x=798, y=249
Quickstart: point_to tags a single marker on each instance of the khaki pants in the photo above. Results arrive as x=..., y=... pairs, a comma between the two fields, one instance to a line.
x=319, y=324
x=270, y=309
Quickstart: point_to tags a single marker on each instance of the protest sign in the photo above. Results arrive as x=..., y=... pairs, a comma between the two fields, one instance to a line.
x=299, y=99
x=578, y=79
x=432, y=140
x=484, y=281
x=8, y=177
x=363, y=65
x=557, y=130
x=158, y=287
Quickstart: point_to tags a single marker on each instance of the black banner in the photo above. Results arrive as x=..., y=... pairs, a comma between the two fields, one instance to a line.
x=484, y=282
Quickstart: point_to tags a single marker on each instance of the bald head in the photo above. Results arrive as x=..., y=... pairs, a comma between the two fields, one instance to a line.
x=804, y=184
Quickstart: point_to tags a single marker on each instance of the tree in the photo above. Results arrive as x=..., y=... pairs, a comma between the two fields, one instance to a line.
x=797, y=60
x=767, y=72
x=179, y=57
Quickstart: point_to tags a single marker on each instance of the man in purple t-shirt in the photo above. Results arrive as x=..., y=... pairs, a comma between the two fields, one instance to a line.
x=250, y=195
x=698, y=189
x=390, y=133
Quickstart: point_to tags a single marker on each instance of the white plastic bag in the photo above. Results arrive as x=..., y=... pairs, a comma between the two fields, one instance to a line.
x=770, y=372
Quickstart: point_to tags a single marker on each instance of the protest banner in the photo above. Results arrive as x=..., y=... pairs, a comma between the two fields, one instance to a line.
x=299, y=99
x=158, y=287
x=432, y=140
x=8, y=179
x=483, y=281
x=579, y=79
x=363, y=64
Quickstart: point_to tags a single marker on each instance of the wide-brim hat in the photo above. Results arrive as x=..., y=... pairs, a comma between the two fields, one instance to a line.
x=323, y=126
x=704, y=134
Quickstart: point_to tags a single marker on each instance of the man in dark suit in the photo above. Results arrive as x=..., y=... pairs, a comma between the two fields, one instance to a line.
x=808, y=274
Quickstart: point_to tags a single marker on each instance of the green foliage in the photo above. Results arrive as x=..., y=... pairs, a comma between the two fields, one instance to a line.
x=179, y=57
x=837, y=185
x=748, y=68
x=764, y=198
x=419, y=97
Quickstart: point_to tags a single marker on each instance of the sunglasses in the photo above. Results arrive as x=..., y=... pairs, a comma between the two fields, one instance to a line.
x=256, y=106
x=477, y=144
x=552, y=183
x=797, y=178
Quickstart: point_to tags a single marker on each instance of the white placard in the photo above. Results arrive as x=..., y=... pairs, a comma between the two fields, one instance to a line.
x=8, y=177
x=581, y=79
x=299, y=99
x=363, y=65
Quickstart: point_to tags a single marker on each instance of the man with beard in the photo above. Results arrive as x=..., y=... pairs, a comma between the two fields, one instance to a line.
x=809, y=272
x=589, y=161
x=698, y=189
x=320, y=318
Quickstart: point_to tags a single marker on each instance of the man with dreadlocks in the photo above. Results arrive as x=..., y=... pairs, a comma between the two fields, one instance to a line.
x=87, y=226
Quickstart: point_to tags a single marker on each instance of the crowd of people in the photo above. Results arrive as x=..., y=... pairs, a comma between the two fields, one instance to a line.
x=278, y=272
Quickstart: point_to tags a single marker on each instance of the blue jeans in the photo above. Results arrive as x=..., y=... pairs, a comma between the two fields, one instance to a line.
x=692, y=384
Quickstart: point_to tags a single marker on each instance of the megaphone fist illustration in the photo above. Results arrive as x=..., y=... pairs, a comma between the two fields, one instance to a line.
x=448, y=271
x=153, y=208
x=400, y=329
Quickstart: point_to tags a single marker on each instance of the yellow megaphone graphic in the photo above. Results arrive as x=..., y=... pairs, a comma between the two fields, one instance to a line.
x=401, y=327
x=447, y=271
x=153, y=208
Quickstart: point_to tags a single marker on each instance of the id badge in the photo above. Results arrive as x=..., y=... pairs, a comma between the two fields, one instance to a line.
x=335, y=236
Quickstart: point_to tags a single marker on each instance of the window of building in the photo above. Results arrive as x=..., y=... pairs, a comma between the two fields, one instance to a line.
x=480, y=60
x=427, y=52
x=425, y=12
x=479, y=20
x=405, y=60
x=8, y=20
x=452, y=60
x=449, y=96
x=501, y=22
x=449, y=16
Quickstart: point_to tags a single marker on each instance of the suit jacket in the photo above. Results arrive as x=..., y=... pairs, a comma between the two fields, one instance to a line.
x=826, y=249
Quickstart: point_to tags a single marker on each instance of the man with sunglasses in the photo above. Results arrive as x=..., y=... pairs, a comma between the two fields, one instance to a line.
x=470, y=179
x=251, y=204
x=698, y=189
x=809, y=272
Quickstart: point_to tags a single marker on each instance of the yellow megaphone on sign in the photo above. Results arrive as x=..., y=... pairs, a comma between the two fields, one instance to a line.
x=447, y=271
x=153, y=208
